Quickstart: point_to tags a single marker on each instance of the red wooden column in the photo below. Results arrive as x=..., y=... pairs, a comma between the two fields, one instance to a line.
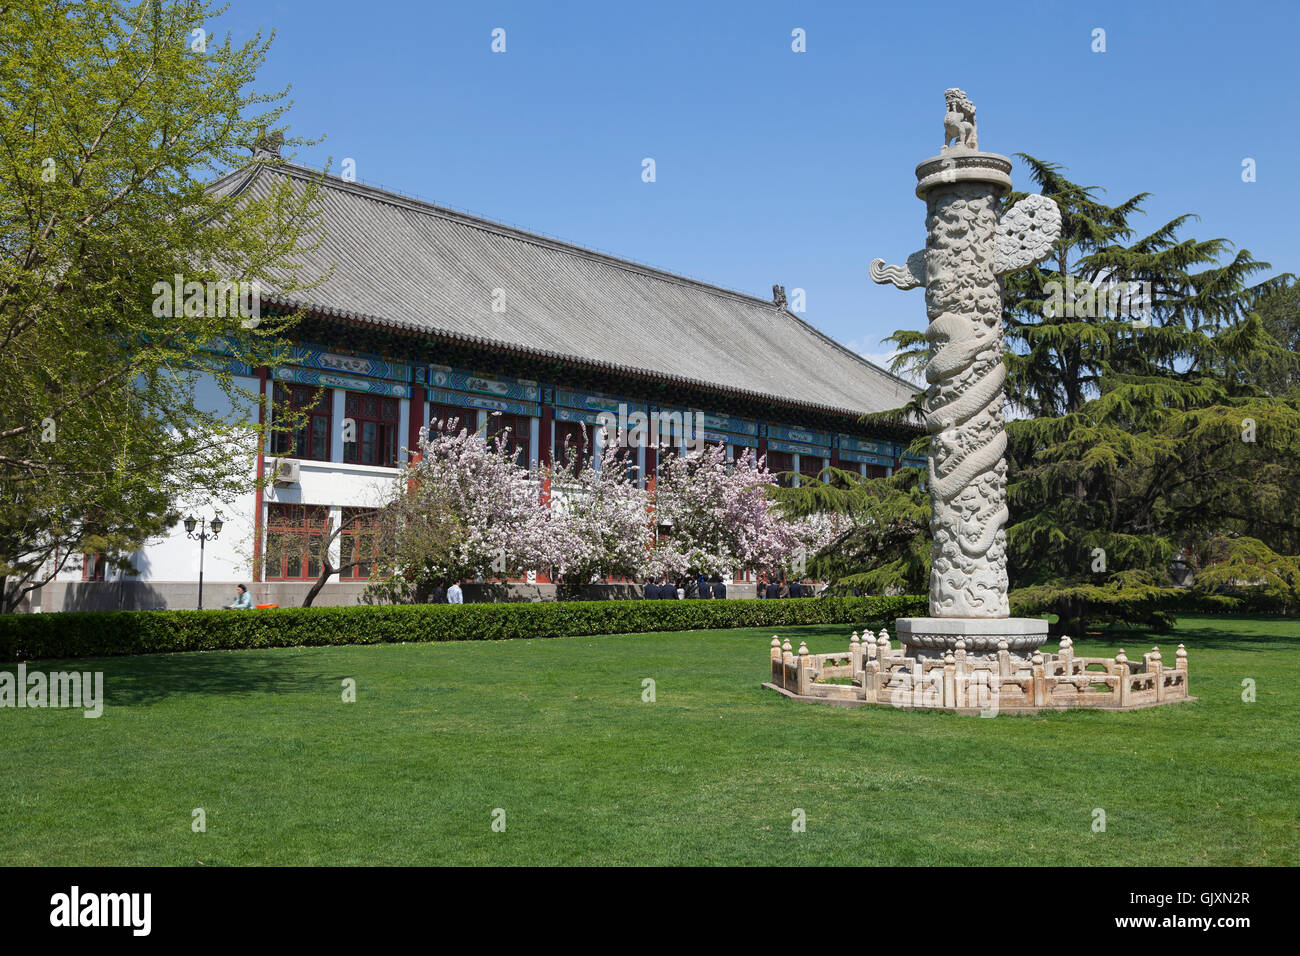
x=544, y=423
x=261, y=467
x=544, y=435
x=415, y=417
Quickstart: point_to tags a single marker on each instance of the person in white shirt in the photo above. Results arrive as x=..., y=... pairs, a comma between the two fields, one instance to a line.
x=455, y=595
x=243, y=600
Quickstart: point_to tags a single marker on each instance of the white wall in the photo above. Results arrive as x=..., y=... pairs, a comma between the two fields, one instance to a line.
x=174, y=557
x=229, y=558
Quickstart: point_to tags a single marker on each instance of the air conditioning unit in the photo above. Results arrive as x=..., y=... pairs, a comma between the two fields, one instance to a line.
x=287, y=471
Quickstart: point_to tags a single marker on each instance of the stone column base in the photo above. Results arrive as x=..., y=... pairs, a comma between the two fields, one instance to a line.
x=936, y=636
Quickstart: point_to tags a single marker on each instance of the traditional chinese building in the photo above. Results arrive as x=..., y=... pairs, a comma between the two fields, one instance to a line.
x=431, y=313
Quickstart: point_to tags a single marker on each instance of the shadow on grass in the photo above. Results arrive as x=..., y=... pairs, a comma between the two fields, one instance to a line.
x=145, y=680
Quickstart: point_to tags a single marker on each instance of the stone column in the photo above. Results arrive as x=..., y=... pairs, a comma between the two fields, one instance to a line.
x=969, y=245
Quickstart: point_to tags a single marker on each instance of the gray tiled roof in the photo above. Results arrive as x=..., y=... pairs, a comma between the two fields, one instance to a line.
x=409, y=264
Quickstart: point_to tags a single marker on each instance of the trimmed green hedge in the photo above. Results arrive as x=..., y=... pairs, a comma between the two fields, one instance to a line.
x=111, y=633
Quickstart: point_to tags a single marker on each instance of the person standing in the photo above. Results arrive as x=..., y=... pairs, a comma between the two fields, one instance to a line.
x=719, y=588
x=706, y=587
x=455, y=595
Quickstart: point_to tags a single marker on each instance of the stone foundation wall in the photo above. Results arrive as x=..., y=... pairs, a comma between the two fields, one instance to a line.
x=139, y=595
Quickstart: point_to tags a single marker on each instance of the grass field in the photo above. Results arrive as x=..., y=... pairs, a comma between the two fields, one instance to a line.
x=555, y=733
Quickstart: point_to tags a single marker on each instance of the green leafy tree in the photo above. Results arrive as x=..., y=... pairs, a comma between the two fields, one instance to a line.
x=1105, y=498
x=113, y=119
x=1277, y=371
x=883, y=546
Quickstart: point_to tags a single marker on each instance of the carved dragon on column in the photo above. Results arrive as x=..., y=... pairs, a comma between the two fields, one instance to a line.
x=968, y=248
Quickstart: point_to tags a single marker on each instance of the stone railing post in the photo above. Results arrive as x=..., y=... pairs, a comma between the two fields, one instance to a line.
x=1121, y=668
x=871, y=681
x=950, y=681
x=776, y=660
x=805, y=674
x=1157, y=664
x=963, y=673
x=918, y=682
x=1039, y=681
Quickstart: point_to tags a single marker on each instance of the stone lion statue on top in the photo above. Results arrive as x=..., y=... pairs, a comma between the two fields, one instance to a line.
x=959, y=121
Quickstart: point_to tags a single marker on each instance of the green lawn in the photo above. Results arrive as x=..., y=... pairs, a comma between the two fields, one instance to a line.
x=555, y=732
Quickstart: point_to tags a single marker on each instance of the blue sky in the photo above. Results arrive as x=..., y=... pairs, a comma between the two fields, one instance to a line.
x=794, y=168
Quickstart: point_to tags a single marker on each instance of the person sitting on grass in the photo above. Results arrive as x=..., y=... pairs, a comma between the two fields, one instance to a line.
x=243, y=600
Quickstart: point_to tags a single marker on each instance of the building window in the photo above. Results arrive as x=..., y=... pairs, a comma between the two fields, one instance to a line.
x=446, y=417
x=810, y=466
x=295, y=535
x=374, y=420
x=780, y=461
x=514, y=432
x=92, y=567
x=572, y=438
x=359, y=542
x=875, y=471
x=312, y=440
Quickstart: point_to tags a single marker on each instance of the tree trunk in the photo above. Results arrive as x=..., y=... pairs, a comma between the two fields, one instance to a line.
x=326, y=572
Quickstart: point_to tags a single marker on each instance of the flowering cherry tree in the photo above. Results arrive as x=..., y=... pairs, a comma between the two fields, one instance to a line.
x=816, y=532
x=464, y=509
x=599, y=521
x=720, y=517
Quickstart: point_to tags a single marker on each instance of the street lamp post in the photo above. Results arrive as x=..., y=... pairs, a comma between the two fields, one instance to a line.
x=207, y=529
